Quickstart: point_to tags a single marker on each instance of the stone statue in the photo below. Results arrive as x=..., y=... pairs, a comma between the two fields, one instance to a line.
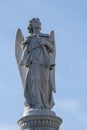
x=35, y=57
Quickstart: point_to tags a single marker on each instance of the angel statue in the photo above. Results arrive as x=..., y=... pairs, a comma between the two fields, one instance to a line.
x=35, y=57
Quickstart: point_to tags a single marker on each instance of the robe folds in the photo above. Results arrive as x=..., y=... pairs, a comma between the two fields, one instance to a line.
x=39, y=83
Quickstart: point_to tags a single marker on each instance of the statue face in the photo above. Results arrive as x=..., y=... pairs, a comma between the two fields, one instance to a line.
x=34, y=26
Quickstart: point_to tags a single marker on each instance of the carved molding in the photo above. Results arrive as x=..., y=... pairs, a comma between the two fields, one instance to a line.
x=40, y=122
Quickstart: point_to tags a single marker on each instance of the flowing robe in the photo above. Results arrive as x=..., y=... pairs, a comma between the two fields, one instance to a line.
x=38, y=86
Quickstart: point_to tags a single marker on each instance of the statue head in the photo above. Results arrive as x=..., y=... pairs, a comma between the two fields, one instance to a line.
x=34, y=26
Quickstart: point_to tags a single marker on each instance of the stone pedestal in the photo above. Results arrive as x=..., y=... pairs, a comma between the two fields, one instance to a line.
x=40, y=120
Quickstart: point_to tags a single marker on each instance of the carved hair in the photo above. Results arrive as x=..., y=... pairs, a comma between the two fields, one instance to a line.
x=31, y=22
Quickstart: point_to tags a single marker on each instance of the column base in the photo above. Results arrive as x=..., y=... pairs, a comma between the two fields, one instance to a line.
x=40, y=120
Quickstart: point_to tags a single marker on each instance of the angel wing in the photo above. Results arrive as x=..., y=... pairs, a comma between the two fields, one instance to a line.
x=53, y=42
x=53, y=55
x=18, y=55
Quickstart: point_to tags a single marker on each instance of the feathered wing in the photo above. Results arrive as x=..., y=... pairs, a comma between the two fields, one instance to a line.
x=53, y=55
x=18, y=54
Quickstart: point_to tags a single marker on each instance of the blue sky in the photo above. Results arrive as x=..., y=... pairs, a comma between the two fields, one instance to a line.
x=68, y=18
